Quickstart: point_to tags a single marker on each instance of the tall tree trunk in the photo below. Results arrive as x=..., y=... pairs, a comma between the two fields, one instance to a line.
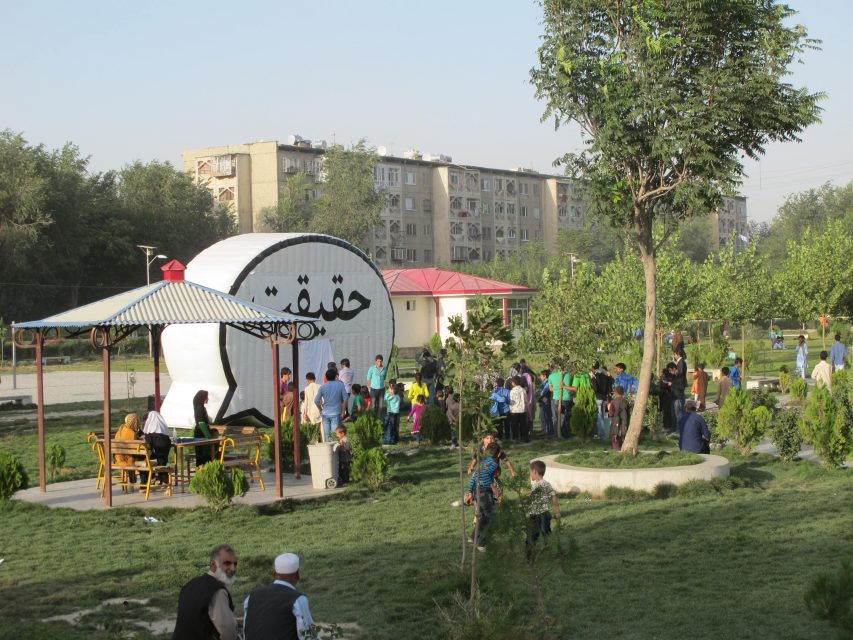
x=647, y=255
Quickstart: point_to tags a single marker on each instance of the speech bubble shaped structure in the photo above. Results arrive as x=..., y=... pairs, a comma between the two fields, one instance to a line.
x=318, y=276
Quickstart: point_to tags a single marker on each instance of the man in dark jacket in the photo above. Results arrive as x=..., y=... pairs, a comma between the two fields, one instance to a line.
x=205, y=609
x=278, y=611
x=679, y=384
x=693, y=432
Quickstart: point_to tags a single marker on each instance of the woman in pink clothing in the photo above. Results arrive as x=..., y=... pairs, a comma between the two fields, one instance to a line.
x=415, y=415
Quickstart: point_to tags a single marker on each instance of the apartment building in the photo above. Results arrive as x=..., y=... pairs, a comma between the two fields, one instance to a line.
x=438, y=212
x=731, y=218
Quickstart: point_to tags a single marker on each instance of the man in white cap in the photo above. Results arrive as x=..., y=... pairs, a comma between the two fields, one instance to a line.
x=278, y=611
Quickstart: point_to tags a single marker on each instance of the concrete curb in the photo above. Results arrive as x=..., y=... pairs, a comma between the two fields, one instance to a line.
x=569, y=479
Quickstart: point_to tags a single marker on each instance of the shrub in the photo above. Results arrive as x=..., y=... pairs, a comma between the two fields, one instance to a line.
x=309, y=433
x=218, y=485
x=615, y=460
x=786, y=435
x=653, y=420
x=828, y=426
x=784, y=380
x=762, y=398
x=711, y=420
x=739, y=421
x=696, y=489
x=371, y=467
x=435, y=427
x=623, y=493
x=830, y=597
x=55, y=458
x=664, y=490
x=584, y=413
x=799, y=390
x=370, y=462
x=13, y=476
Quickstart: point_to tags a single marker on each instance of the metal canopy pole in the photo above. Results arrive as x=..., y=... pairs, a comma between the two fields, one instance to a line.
x=108, y=459
x=154, y=334
x=297, y=463
x=39, y=339
x=279, y=488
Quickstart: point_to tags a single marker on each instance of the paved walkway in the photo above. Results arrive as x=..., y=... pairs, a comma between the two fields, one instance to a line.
x=81, y=495
x=79, y=386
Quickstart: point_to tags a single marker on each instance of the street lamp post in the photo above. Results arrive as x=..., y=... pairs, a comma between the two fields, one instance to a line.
x=149, y=260
x=573, y=257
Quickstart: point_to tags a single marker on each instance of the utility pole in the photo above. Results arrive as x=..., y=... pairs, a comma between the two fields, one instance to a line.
x=150, y=251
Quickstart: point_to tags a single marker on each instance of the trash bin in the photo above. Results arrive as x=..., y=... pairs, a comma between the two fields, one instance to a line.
x=324, y=465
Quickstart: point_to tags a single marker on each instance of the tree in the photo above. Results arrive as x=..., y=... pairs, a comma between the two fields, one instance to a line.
x=810, y=209
x=817, y=277
x=564, y=321
x=349, y=203
x=597, y=241
x=295, y=210
x=669, y=97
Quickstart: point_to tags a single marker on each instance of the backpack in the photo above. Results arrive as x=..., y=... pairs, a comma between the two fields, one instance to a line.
x=429, y=369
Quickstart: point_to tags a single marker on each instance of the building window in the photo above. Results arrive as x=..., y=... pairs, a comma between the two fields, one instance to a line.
x=223, y=165
x=411, y=229
x=380, y=253
x=499, y=208
x=562, y=211
x=455, y=179
x=516, y=312
x=410, y=178
x=393, y=177
x=510, y=187
x=410, y=305
x=499, y=185
x=203, y=167
x=473, y=207
x=485, y=184
x=226, y=194
x=427, y=205
x=486, y=209
x=524, y=235
x=395, y=227
x=460, y=253
x=394, y=201
x=499, y=234
x=487, y=233
x=427, y=229
x=472, y=181
x=379, y=230
x=473, y=232
x=510, y=209
x=456, y=229
x=455, y=202
x=522, y=188
x=410, y=204
x=511, y=233
x=427, y=255
x=522, y=210
x=536, y=212
x=487, y=256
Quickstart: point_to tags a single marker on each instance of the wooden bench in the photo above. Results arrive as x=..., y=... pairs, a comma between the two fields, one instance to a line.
x=21, y=399
x=56, y=360
x=243, y=451
x=141, y=463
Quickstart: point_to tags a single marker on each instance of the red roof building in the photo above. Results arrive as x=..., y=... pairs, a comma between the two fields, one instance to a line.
x=425, y=299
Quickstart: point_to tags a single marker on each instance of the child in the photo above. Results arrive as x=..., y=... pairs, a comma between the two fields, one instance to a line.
x=700, y=385
x=368, y=400
x=344, y=448
x=415, y=416
x=500, y=407
x=546, y=395
x=391, y=434
x=418, y=389
x=518, y=411
x=358, y=405
x=735, y=374
x=482, y=482
x=499, y=456
x=542, y=498
x=619, y=416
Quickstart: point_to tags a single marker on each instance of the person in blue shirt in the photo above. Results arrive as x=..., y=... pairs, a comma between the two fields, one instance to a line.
x=693, y=433
x=546, y=418
x=734, y=374
x=332, y=400
x=376, y=383
x=837, y=353
x=483, y=482
x=500, y=406
x=625, y=380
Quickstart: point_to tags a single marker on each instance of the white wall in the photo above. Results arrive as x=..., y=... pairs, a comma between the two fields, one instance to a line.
x=413, y=327
x=449, y=307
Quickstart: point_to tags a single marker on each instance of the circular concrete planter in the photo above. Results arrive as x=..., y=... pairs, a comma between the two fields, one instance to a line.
x=568, y=479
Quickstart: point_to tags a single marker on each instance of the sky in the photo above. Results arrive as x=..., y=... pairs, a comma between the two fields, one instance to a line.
x=147, y=80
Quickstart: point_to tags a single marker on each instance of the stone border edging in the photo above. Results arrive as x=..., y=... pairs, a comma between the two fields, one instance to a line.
x=570, y=479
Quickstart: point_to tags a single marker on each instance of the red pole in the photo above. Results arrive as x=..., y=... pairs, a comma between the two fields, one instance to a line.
x=155, y=340
x=40, y=410
x=108, y=459
x=279, y=489
x=296, y=408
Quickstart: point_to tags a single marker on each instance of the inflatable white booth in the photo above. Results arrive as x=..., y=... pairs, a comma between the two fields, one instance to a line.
x=316, y=276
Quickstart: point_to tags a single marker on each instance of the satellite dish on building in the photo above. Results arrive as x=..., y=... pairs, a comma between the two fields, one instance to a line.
x=292, y=139
x=382, y=150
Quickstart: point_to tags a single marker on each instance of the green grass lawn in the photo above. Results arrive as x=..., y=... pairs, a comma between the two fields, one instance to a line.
x=615, y=460
x=731, y=564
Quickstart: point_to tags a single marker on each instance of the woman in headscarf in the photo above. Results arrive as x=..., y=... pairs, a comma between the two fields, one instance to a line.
x=128, y=431
x=156, y=435
x=203, y=454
